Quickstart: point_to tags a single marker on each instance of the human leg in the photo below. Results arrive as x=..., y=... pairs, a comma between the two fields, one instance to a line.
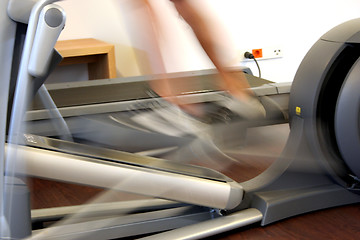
x=208, y=32
x=210, y=35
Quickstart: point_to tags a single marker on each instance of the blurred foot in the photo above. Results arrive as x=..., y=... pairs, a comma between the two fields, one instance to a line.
x=172, y=121
x=246, y=108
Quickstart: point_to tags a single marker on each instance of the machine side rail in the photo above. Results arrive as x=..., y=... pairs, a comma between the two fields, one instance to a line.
x=278, y=93
x=120, y=176
x=116, y=227
x=110, y=156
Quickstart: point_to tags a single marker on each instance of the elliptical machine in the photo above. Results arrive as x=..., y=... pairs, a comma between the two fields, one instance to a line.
x=319, y=166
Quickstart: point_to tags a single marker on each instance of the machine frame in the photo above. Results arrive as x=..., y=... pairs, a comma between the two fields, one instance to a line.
x=311, y=173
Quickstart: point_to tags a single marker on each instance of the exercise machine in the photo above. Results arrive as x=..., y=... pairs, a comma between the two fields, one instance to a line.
x=317, y=169
x=101, y=111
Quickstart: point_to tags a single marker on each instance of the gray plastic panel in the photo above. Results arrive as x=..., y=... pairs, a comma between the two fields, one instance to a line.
x=347, y=32
x=347, y=120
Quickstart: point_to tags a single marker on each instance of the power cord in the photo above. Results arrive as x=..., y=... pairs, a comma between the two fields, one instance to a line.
x=251, y=56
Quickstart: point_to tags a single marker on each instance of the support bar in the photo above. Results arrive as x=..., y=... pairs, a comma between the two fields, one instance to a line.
x=212, y=227
x=123, y=177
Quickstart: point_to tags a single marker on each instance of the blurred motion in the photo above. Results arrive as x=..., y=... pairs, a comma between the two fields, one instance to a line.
x=190, y=139
x=73, y=133
x=216, y=44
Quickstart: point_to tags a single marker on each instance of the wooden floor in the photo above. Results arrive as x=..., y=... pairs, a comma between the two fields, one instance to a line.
x=263, y=147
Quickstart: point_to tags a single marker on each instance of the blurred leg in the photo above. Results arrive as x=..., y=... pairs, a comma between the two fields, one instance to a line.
x=163, y=87
x=208, y=32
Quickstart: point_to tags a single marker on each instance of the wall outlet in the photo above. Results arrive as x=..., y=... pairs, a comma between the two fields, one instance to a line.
x=272, y=52
x=266, y=53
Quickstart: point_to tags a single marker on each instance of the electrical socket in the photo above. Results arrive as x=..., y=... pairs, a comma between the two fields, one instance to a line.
x=272, y=52
x=266, y=53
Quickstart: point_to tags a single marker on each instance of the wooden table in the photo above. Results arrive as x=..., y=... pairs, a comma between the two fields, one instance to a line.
x=98, y=55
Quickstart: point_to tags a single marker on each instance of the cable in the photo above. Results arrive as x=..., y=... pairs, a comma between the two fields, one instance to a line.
x=251, y=56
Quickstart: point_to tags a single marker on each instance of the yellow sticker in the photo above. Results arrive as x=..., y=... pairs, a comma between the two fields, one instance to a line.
x=298, y=111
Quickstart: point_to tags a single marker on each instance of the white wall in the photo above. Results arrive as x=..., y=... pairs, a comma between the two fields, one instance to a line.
x=293, y=25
